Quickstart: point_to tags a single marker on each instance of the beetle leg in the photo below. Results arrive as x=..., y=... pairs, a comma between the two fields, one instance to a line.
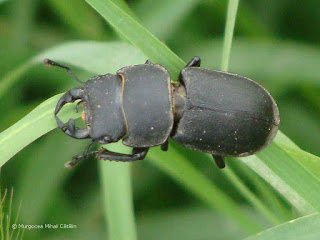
x=148, y=62
x=78, y=158
x=137, y=154
x=70, y=129
x=219, y=160
x=194, y=62
x=164, y=146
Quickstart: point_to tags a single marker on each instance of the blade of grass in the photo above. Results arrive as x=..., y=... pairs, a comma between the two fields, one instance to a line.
x=181, y=170
x=252, y=198
x=307, y=227
x=117, y=193
x=139, y=36
x=93, y=29
x=31, y=127
x=228, y=36
x=264, y=189
x=151, y=13
x=2, y=199
x=287, y=191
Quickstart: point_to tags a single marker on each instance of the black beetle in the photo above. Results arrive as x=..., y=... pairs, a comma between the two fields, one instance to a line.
x=219, y=113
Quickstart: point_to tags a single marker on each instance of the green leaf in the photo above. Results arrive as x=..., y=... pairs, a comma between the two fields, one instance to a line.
x=177, y=167
x=139, y=36
x=228, y=35
x=307, y=227
x=151, y=14
x=93, y=29
x=116, y=187
x=34, y=125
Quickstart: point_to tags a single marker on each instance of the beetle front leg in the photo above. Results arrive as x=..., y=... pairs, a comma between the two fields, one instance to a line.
x=219, y=160
x=76, y=159
x=137, y=154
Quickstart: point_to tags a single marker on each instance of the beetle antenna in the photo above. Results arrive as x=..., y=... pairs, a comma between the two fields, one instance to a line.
x=50, y=63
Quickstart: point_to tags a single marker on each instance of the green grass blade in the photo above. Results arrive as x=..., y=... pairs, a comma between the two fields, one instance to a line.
x=151, y=14
x=292, y=172
x=182, y=171
x=34, y=125
x=251, y=197
x=309, y=161
x=287, y=191
x=116, y=188
x=307, y=227
x=93, y=29
x=139, y=36
x=231, y=19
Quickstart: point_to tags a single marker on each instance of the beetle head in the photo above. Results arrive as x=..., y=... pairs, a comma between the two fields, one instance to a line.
x=103, y=108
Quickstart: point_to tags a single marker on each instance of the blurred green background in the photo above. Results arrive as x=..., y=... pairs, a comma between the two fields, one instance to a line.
x=276, y=43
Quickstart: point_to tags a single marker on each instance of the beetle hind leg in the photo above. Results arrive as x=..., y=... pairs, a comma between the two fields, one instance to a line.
x=137, y=154
x=219, y=160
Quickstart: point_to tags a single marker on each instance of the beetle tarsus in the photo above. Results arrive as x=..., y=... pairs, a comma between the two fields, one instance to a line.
x=219, y=160
x=76, y=159
x=137, y=154
x=194, y=62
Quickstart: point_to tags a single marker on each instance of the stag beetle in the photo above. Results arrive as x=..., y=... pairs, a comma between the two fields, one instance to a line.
x=215, y=112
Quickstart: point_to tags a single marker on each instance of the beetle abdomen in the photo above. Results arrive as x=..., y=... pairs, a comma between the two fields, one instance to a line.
x=225, y=114
x=147, y=105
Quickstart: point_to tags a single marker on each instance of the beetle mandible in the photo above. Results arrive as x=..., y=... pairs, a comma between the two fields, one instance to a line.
x=215, y=112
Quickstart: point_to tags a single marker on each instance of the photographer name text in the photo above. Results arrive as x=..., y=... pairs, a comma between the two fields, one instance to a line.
x=44, y=226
